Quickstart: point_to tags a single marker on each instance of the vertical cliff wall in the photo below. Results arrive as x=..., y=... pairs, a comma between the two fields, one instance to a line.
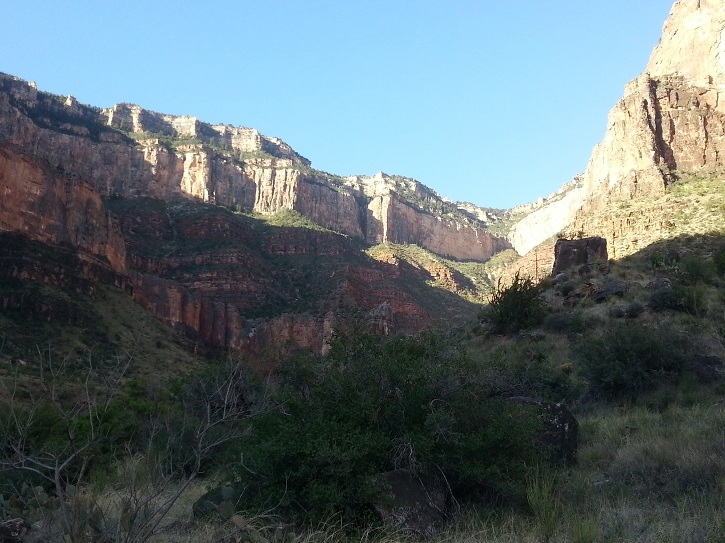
x=670, y=121
x=57, y=209
x=392, y=219
x=172, y=157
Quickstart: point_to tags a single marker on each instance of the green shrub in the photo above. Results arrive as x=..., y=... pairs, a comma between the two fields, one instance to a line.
x=718, y=259
x=369, y=407
x=531, y=368
x=694, y=270
x=566, y=287
x=634, y=310
x=565, y=322
x=628, y=358
x=687, y=299
x=665, y=298
x=516, y=306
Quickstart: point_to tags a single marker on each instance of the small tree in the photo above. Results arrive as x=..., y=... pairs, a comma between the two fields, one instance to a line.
x=516, y=306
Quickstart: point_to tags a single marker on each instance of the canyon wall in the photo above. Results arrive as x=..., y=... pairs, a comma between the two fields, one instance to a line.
x=234, y=167
x=392, y=219
x=57, y=209
x=670, y=121
x=224, y=280
x=546, y=218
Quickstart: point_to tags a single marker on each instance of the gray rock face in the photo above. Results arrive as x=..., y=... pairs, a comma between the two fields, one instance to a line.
x=614, y=287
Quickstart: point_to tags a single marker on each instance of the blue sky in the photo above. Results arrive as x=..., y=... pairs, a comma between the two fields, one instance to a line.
x=496, y=103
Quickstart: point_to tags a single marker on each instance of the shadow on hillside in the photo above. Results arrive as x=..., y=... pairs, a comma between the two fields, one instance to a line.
x=203, y=264
x=671, y=251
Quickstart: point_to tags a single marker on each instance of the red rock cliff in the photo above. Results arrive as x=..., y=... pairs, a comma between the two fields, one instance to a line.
x=56, y=208
x=671, y=120
x=216, y=166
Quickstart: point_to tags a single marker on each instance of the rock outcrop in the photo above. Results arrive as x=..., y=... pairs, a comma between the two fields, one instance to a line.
x=224, y=280
x=671, y=120
x=392, y=219
x=413, y=505
x=547, y=218
x=573, y=253
x=692, y=43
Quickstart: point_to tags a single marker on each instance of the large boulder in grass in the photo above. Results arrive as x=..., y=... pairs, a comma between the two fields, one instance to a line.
x=413, y=505
x=613, y=287
x=575, y=253
x=13, y=530
x=560, y=430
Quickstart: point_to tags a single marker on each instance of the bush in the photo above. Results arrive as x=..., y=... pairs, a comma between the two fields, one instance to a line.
x=533, y=369
x=718, y=259
x=565, y=322
x=634, y=310
x=63, y=438
x=628, y=358
x=566, y=288
x=368, y=408
x=686, y=299
x=516, y=306
x=696, y=270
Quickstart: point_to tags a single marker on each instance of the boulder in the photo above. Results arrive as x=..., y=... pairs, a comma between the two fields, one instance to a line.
x=659, y=283
x=582, y=291
x=614, y=287
x=570, y=253
x=13, y=530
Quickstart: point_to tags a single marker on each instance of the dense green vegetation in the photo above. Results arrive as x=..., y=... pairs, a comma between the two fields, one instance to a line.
x=306, y=445
x=368, y=407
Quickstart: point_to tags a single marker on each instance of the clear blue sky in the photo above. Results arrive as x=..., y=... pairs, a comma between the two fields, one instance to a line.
x=496, y=103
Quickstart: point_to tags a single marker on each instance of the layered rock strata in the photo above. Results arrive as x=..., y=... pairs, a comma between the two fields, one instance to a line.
x=225, y=280
x=127, y=151
x=57, y=209
x=670, y=120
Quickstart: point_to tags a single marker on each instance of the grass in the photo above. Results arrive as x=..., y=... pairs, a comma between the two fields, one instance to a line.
x=651, y=468
x=114, y=327
x=289, y=218
x=651, y=465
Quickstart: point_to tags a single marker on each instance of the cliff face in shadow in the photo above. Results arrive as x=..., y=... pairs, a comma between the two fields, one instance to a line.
x=225, y=280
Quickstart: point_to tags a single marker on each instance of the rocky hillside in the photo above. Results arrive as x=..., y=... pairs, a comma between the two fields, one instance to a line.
x=225, y=280
x=228, y=236
x=233, y=238
x=668, y=128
